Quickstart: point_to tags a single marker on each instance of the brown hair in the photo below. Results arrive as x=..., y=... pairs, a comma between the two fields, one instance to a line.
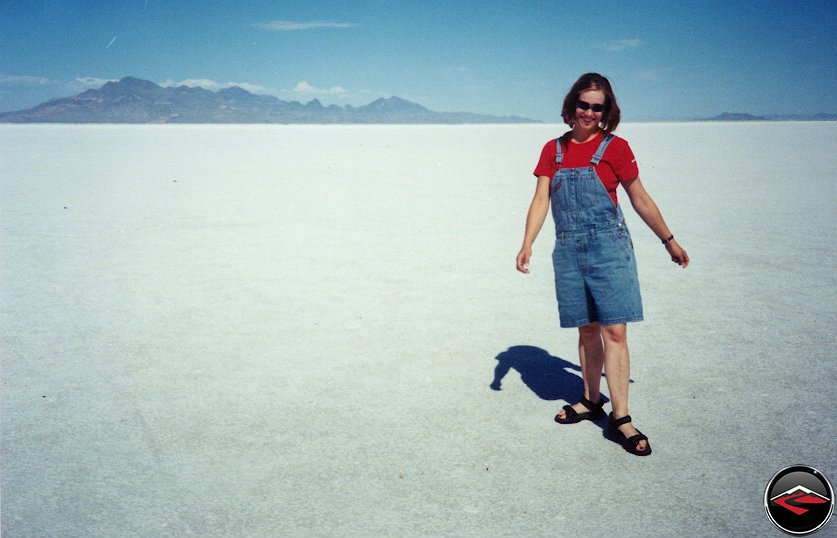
x=593, y=81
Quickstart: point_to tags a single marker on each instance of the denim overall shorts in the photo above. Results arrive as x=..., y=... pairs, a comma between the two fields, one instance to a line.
x=595, y=268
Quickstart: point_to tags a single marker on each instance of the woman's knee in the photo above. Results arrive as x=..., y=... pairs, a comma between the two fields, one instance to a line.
x=592, y=330
x=616, y=334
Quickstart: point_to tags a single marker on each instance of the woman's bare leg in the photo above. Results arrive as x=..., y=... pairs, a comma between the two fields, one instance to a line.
x=591, y=357
x=617, y=364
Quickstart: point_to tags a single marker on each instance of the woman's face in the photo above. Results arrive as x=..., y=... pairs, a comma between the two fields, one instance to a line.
x=588, y=120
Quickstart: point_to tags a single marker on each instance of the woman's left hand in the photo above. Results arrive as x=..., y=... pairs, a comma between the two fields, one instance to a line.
x=678, y=255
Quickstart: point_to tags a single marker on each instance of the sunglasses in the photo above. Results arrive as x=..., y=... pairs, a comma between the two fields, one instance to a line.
x=584, y=105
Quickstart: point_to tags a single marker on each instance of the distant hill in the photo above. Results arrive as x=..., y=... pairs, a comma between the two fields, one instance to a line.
x=737, y=116
x=133, y=100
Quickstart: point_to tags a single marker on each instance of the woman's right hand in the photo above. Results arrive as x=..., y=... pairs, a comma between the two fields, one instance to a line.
x=534, y=220
x=523, y=258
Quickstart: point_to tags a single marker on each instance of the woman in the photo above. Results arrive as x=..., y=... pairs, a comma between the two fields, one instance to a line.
x=595, y=270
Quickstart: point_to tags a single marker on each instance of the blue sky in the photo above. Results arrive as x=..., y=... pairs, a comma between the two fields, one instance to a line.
x=666, y=60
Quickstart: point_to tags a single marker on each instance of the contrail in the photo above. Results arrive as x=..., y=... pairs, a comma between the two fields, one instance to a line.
x=111, y=42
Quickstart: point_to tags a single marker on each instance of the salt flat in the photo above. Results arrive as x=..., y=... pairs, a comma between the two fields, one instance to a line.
x=293, y=330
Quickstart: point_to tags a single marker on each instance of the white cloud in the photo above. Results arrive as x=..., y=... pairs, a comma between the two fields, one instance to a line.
x=91, y=82
x=76, y=84
x=214, y=86
x=306, y=89
x=252, y=88
x=292, y=26
x=620, y=44
x=204, y=83
x=24, y=80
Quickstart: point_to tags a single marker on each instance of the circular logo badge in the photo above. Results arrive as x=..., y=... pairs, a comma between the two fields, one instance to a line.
x=799, y=500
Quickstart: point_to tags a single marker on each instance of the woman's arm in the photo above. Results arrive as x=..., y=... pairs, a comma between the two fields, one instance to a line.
x=650, y=214
x=534, y=221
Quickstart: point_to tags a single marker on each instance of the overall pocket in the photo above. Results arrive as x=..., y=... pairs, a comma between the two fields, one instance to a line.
x=622, y=238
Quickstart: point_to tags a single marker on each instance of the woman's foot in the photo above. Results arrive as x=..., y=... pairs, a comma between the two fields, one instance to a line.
x=632, y=439
x=583, y=410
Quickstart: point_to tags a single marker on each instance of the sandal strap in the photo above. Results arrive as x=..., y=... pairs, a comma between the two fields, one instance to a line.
x=590, y=405
x=618, y=422
x=635, y=439
x=569, y=411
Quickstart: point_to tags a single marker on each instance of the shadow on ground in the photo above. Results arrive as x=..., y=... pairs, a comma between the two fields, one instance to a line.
x=548, y=376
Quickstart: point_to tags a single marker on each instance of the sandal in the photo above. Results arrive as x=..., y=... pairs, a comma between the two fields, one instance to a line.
x=572, y=416
x=629, y=443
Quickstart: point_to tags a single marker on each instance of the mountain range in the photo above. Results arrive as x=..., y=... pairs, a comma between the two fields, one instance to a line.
x=737, y=116
x=133, y=100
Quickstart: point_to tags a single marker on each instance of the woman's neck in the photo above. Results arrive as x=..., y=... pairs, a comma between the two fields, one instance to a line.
x=579, y=137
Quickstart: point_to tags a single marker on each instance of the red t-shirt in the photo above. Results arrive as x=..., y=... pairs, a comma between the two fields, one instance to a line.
x=617, y=165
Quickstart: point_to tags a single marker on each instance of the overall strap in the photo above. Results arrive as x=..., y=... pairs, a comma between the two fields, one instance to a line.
x=602, y=147
x=559, y=157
